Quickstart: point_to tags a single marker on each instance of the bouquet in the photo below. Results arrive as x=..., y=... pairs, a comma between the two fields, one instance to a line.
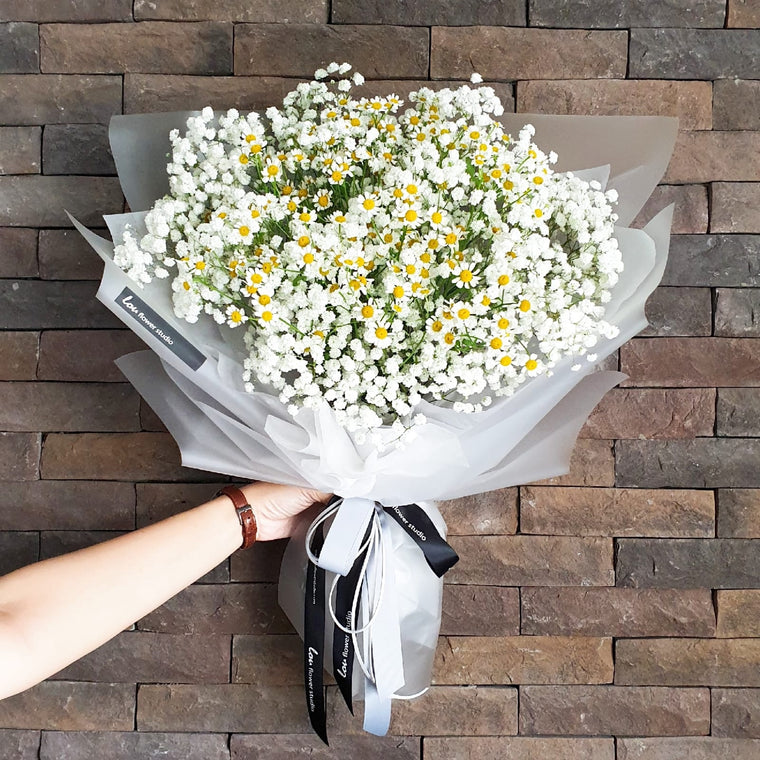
x=397, y=303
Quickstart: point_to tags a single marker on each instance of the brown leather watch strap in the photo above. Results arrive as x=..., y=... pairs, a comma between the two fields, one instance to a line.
x=244, y=512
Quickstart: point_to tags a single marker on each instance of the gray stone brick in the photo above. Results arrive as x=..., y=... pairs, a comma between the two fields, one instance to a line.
x=76, y=149
x=691, y=747
x=621, y=14
x=277, y=747
x=691, y=208
x=68, y=407
x=236, y=608
x=19, y=48
x=38, y=201
x=523, y=560
x=18, y=252
x=618, y=710
x=132, y=745
x=34, y=304
x=19, y=745
x=253, y=11
x=679, y=311
x=694, y=53
x=700, y=463
x=79, y=505
x=739, y=513
x=85, y=355
x=713, y=261
x=433, y=13
x=72, y=10
x=297, y=50
x=736, y=713
x=736, y=104
x=58, y=99
x=735, y=206
x=115, y=456
x=20, y=150
x=738, y=412
x=715, y=563
x=18, y=549
x=150, y=46
x=510, y=53
x=154, y=657
x=19, y=351
x=71, y=706
x=66, y=255
x=19, y=456
x=737, y=312
x=222, y=707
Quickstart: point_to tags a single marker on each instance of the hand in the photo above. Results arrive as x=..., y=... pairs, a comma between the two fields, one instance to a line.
x=277, y=508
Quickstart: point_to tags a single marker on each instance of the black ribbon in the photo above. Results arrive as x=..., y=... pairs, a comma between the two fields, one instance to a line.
x=314, y=640
x=439, y=555
x=440, y=558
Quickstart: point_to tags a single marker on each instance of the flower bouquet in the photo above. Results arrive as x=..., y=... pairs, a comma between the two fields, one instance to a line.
x=397, y=303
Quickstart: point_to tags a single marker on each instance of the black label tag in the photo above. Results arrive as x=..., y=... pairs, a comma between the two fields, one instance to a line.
x=159, y=328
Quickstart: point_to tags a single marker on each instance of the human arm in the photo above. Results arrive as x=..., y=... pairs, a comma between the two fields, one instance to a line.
x=55, y=611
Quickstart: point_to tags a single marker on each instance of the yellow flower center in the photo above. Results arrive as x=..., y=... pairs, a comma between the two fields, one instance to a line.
x=337, y=176
x=503, y=323
x=236, y=316
x=243, y=159
x=398, y=292
x=410, y=215
x=244, y=230
x=465, y=275
x=538, y=213
x=303, y=241
x=367, y=311
x=538, y=180
x=448, y=338
x=503, y=279
x=437, y=326
x=411, y=189
x=505, y=361
x=308, y=258
x=273, y=171
x=305, y=217
x=323, y=201
x=451, y=238
x=369, y=204
x=264, y=300
x=463, y=313
x=381, y=333
x=524, y=305
x=531, y=364
x=267, y=316
x=496, y=343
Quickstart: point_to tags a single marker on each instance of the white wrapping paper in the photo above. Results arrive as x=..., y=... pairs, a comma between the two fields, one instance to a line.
x=192, y=376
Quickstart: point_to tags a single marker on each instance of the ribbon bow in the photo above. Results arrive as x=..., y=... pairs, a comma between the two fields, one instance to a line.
x=358, y=550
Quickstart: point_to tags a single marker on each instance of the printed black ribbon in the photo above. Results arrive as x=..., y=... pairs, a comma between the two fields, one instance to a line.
x=440, y=558
x=314, y=640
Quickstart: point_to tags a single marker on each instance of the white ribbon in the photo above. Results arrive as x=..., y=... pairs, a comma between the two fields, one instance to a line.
x=379, y=652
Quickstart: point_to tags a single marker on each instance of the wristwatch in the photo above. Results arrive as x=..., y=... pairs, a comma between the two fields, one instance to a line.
x=244, y=512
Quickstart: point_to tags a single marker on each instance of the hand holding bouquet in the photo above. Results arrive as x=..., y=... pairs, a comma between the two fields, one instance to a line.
x=392, y=302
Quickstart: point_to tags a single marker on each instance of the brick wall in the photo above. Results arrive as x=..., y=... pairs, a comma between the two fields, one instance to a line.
x=610, y=613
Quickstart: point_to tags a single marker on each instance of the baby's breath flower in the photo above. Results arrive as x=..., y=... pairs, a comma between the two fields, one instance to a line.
x=377, y=254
